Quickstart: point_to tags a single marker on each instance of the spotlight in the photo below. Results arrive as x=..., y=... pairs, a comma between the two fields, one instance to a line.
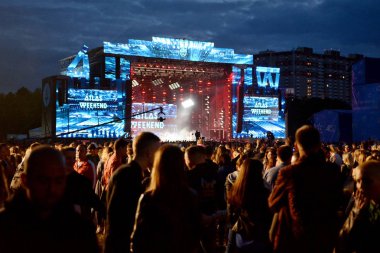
x=187, y=103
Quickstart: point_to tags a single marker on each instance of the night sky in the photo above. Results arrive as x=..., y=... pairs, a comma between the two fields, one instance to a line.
x=35, y=34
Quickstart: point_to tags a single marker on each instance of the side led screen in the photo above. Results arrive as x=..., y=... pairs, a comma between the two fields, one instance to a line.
x=268, y=77
x=110, y=68
x=261, y=114
x=166, y=130
x=87, y=108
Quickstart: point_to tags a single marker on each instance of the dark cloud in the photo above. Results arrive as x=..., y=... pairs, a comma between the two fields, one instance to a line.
x=36, y=34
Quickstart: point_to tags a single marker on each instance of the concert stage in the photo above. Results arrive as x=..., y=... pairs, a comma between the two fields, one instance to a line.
x=200, y=88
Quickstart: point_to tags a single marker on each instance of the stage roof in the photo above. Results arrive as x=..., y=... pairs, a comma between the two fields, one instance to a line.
x=178, y=49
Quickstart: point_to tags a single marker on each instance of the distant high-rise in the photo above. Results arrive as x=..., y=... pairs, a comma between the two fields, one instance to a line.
x=310, y=74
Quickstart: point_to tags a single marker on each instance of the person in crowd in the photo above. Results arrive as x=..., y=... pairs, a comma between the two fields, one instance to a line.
x=284, y=156
x=346, y=172
x=356, y=154
x=5, y=163
x=361, y=231
x=230, y=180
x=124, y=190
x=93, y=154
x=115, y=161
x=251, y=215
x=83, y=165
x=37, y=219
x=99, y=188
x=168, y=216
x=335, y=156
x=15, y=157
x=225, y=168
x=202, y=179
x=79, y=191
x=306, y=199
x=375, y=155
x=260, y=154
x=269, y=159
x=4, y=189
x=129, y=152
x=16, y=180
x=295, y=156
x=248, y=149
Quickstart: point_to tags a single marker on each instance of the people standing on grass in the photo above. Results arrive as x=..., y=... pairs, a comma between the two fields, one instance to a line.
x=124, y=190
x=306, y=199
x=168, y=217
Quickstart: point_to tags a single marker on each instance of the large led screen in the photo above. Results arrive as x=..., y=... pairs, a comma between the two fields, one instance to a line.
x=87, y=108
x=166, y=129
x=261, y=114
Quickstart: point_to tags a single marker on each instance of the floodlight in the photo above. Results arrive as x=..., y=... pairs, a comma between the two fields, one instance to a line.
x=187, y=103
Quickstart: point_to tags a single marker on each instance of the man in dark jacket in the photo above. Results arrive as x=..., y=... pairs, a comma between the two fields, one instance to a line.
x=306, y=197
x=202, y=178
x=36, y=219
x=124, y=190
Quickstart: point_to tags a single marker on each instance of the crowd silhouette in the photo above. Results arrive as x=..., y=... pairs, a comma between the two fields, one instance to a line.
x=143, y=195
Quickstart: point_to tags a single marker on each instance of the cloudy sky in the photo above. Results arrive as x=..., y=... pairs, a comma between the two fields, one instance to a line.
x=35, y=34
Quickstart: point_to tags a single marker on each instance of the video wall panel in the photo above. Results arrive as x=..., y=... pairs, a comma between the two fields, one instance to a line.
x=149, y=121
x=85, y=108
x=261, y=114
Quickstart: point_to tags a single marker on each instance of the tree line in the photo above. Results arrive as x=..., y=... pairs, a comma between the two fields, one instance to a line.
x=20, y=111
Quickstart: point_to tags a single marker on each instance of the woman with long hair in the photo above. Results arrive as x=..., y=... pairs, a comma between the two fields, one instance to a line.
x=168, y=215
x=252, y=217
x=270, y=158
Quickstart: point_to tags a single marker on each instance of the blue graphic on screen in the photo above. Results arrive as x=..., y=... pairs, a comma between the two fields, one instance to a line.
x=91, y=107
x=268, y=77
x=177, y=49
x=149, y=122
x=110, y=68
x=77, y=70
x=248, y=76
x=261, y=114
x=125, y=69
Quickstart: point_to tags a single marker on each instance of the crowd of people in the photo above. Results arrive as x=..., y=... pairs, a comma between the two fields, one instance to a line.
x=143, y=195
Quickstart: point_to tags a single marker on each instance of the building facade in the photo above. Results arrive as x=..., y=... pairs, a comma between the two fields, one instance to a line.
x=308, y=74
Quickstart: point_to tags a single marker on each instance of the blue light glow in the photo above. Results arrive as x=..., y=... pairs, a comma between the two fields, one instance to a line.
x=265, y=77
x=177, y=49
x=248, y=76
x=75, y=70
x=125, y=69
x=110, y=68
x=91, y=107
